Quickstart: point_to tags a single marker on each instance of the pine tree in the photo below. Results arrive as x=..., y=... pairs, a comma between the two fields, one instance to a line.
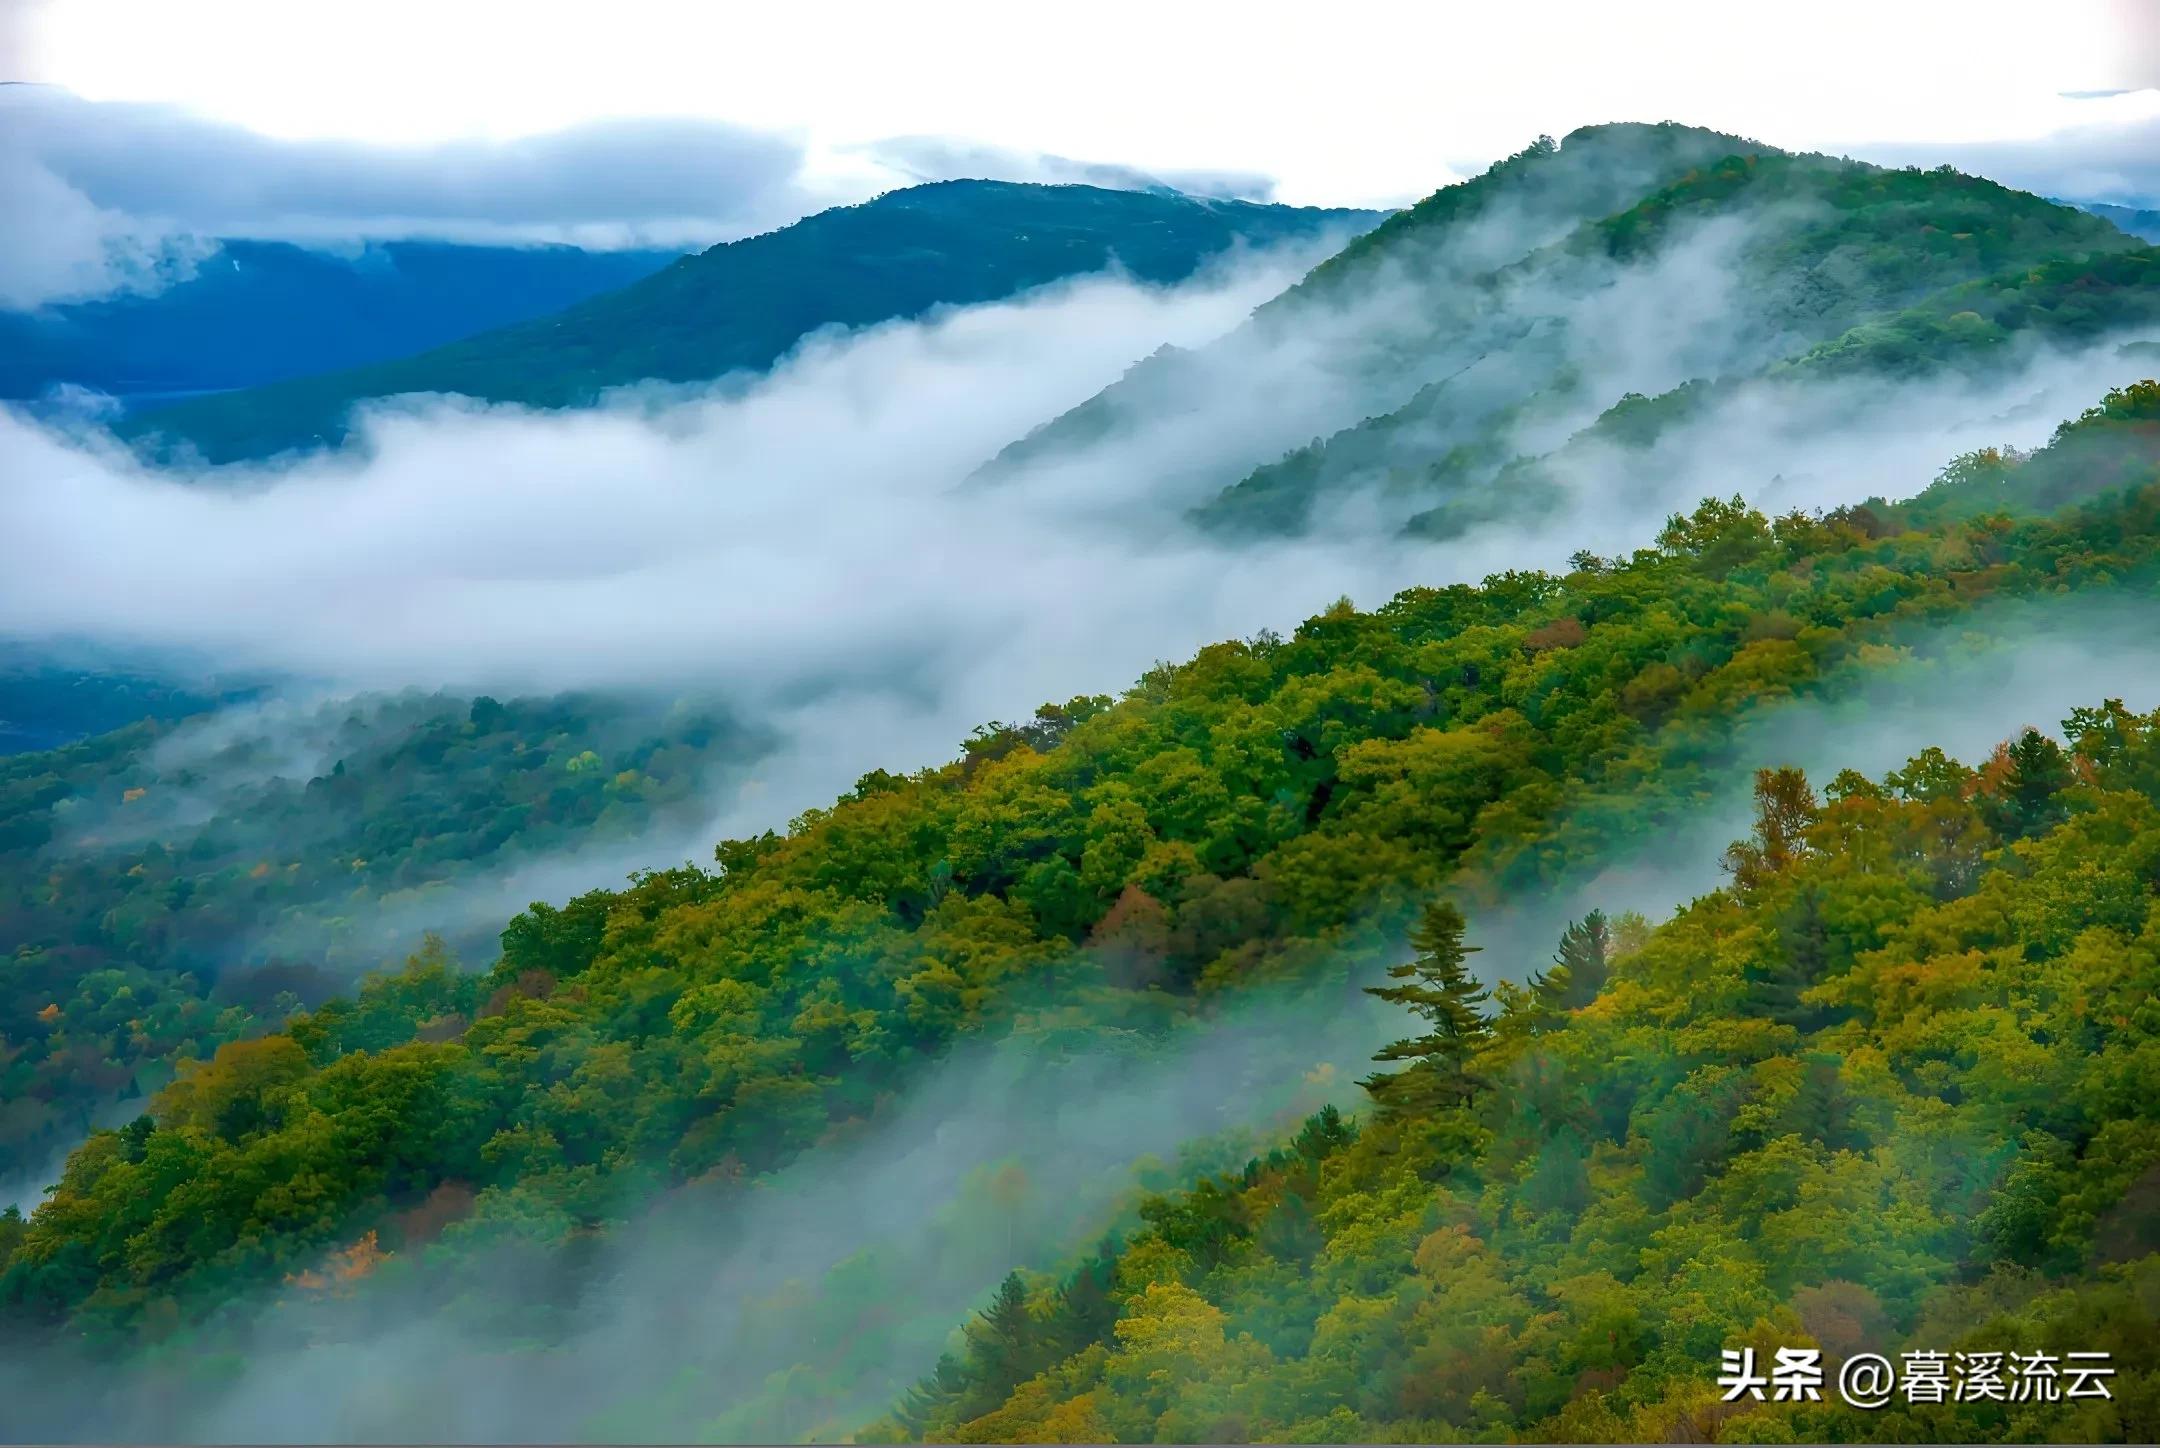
x=2027, y=804
x=1086, y=1308
x=927, y=1403
x=1579, y=966
x=1006, y=1347
x=1437, y=985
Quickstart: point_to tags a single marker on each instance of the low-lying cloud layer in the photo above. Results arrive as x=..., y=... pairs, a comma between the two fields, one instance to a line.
x=798, y=546
x=792, y=542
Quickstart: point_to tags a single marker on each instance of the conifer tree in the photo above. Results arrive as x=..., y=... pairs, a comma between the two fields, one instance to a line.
x=1436, y=985
x=1579, y=966
x=2027, y=803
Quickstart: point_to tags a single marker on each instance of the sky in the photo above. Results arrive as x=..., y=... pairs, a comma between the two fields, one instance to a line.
x=1350, y=103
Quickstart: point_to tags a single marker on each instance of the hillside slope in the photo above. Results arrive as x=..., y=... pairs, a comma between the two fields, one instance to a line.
x=1820, y=269
x=166, y=888
x=743, y=304
x=1878, y=1093
x=2144, y=225
x=1388, y=309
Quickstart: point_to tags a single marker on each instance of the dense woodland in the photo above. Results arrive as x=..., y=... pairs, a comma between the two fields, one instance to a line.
x=1892, y=1089
x=167, y=888
x=1843, y=271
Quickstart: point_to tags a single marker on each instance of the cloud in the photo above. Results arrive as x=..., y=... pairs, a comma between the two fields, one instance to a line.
x=2132, y=45
x=18, y=42
x=2115, y=159
x=793, y=541
x=103, y=197
x=56, y=244
x=938, y=158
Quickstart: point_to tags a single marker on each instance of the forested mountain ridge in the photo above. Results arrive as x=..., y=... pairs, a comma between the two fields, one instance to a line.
x=254, y=312
x=1270, y=809
x=743, y=304
x=1466, y=341
x=1811, y=253
x=1432, y=251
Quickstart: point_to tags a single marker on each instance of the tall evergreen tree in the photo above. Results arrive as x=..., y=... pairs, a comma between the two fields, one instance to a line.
x=1436, y=985
x=931, y=1398
x=1579, y=966
x=2028, y=801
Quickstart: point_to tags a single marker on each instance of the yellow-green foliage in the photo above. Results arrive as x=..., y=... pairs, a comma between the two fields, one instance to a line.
x=1897, y=1088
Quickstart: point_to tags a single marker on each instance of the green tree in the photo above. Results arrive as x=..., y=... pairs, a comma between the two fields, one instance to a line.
x=1438, y=987
x=2028, y=801
x=1579, y=965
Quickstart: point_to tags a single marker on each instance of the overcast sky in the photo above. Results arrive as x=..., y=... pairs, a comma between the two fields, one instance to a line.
x=150, y=124
x=1341, y=103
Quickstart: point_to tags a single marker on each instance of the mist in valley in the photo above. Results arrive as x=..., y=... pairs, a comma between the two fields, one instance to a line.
x=798, y=1306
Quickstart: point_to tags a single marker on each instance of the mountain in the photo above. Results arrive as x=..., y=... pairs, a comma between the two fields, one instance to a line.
x=252, y=312
x=47, y=701
x=1388, y=308
x=1518, y=1243
x=1513, y=317
x=744, y=304
x=2144, y=225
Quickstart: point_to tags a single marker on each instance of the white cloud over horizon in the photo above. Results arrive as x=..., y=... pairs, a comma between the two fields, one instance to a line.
x=1375, y=102
x=682, y=126
x=120, y=196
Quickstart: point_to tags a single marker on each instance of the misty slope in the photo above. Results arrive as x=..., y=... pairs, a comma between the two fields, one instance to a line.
x=1382, y=309
x=743, y=304
x=1480, y=330
x=1271, y=810
x=1824, y=271
x=252, y=312
x=47, y=700
x=1882, y=1092
x=167, y=888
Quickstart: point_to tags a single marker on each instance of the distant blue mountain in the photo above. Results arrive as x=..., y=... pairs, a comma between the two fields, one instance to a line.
x=258, y=311
x=2145, y=225
x=742, y=305
x=50, y=695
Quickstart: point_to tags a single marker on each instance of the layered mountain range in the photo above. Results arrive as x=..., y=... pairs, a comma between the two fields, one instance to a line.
x=1458, y=1019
